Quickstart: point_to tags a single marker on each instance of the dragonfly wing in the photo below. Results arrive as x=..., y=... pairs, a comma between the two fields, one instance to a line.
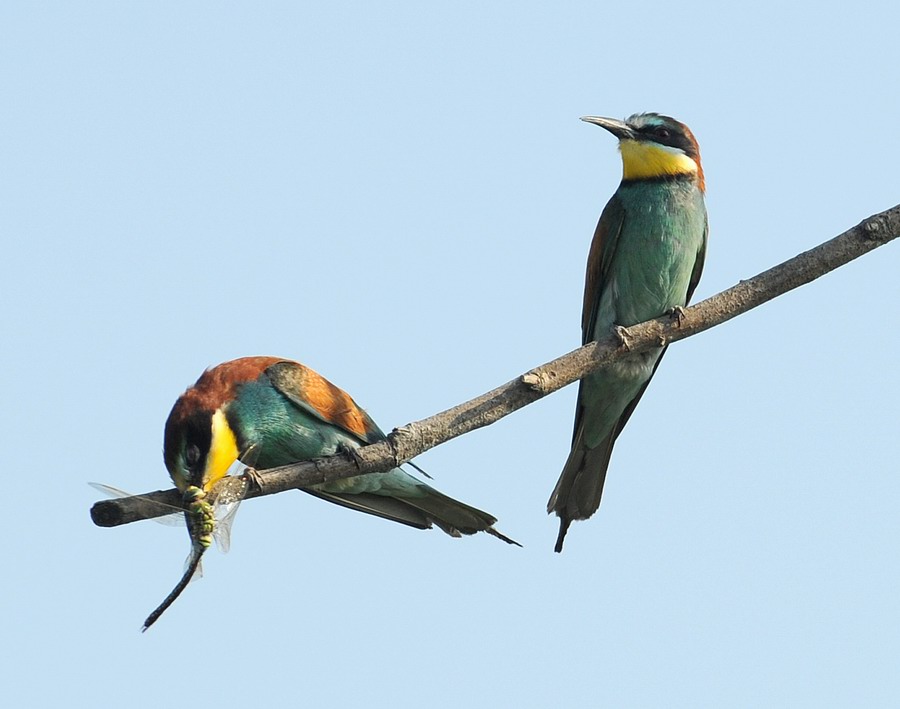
x=227, y=495
x=174, y=518
x=198, y=572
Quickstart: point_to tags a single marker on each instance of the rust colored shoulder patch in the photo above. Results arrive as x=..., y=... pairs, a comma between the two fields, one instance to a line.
x=310, y=390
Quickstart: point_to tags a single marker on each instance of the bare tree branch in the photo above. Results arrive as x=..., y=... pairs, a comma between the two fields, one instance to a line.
x=408, y=441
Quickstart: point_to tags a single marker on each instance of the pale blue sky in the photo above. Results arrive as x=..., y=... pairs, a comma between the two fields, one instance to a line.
x=402, y=197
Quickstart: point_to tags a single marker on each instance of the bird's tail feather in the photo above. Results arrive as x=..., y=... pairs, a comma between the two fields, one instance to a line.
x=453, y=517
x=378, y=505
x=580, y=486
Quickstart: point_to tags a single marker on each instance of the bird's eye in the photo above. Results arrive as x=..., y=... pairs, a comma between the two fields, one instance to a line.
x=191, y=455
x=661, y=133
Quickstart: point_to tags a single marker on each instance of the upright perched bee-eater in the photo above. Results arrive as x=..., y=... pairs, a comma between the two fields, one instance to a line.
x=645, y=260
x=267, y=411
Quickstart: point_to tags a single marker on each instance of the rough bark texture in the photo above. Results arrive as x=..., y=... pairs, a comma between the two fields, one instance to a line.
x=408, y=441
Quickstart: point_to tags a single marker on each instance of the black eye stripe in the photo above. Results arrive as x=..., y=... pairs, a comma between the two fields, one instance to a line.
x=658, y=132
x=187, y=443
x=666, y=136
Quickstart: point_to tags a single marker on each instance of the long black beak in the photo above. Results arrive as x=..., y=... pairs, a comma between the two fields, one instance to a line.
x=620, y=129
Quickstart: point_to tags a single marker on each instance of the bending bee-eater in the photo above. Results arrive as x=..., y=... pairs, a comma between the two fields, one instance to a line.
x=267, y=412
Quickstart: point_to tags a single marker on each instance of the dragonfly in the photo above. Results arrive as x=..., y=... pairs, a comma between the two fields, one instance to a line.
x=208, y=515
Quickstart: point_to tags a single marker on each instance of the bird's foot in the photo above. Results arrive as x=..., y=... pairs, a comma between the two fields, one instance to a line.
x=254, y=481
x=623, y=336
x=352, y=453
x=677, y=314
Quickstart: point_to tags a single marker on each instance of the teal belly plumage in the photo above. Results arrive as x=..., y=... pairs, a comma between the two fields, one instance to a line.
x=663, y=226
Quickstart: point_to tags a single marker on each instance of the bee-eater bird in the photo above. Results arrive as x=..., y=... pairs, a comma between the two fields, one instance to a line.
x=267, y=412
x=645, y=260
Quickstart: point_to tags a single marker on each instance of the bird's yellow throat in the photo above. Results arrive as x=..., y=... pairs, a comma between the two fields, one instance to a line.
x=647, y=160
x=223, y=450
